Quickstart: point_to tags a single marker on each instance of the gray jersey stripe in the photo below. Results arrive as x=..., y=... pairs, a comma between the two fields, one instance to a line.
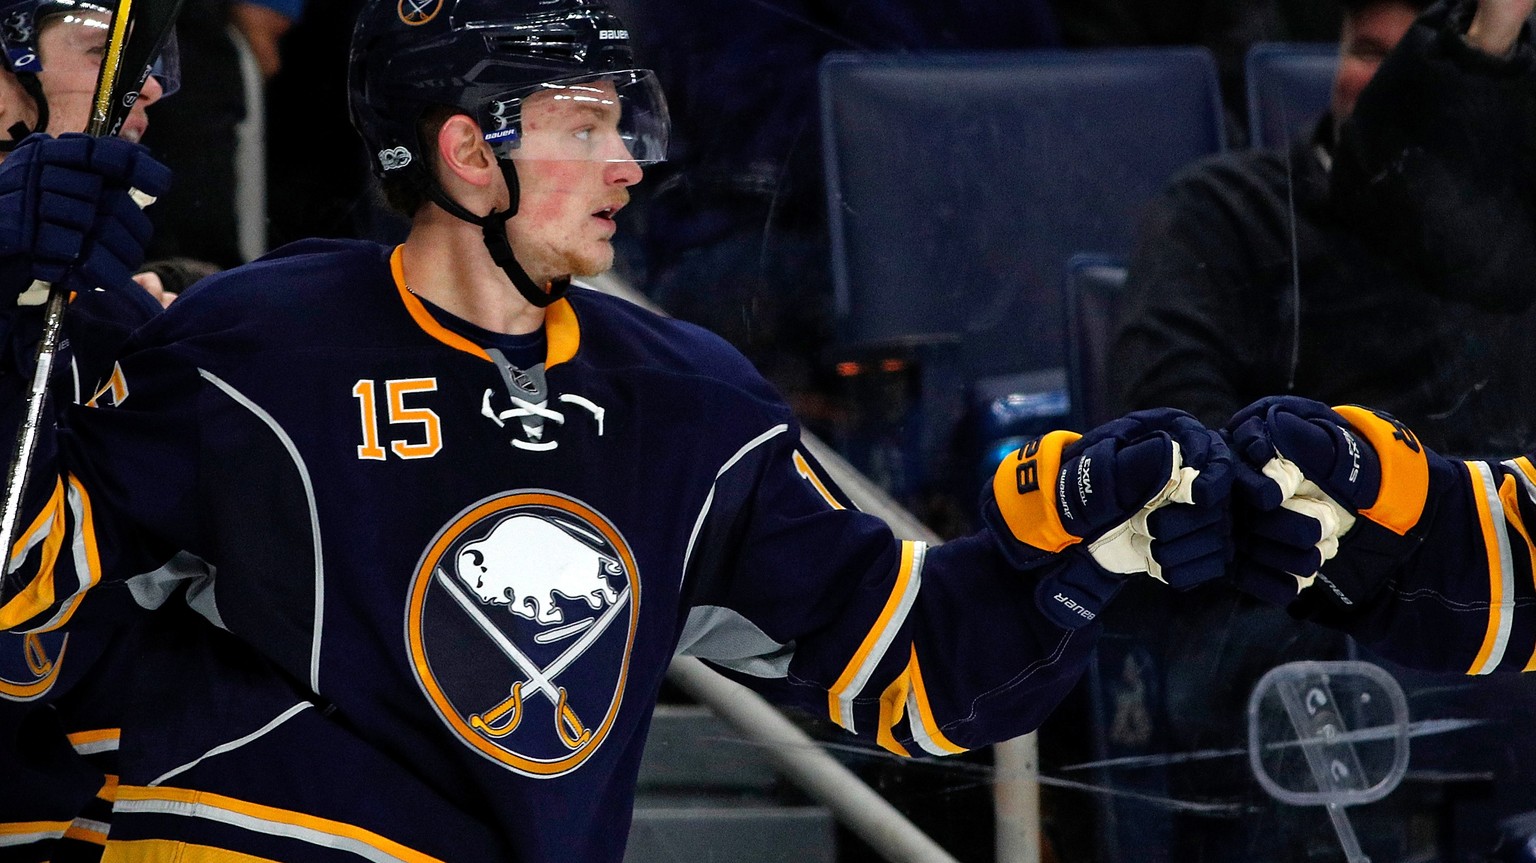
x=314, y=517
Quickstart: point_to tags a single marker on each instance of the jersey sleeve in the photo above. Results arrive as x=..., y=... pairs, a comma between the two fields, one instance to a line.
x=1464, y=600
x=923, y=650
x=109, y=487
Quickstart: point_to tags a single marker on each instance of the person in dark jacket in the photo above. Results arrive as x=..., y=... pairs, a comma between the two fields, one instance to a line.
x=1263, y=272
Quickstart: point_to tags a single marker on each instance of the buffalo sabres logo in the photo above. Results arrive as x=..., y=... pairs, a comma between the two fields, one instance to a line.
x=522, y=617
x=418, y=12
x=29, y=664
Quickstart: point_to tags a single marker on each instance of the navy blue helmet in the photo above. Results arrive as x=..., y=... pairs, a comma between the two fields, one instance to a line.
x=483, y=57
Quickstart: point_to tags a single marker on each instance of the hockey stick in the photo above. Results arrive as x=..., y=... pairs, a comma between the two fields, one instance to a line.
x=140, y=28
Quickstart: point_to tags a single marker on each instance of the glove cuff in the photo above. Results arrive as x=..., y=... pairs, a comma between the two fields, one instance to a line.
x=1399, y=504
x=1353, y=580
x=1023, y=493
x=1074, y=594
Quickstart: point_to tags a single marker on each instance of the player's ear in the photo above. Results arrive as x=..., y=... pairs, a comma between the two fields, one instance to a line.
x=463, y=153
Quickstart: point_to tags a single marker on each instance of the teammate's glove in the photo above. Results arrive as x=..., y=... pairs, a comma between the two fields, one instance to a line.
x=1144, y=493
x=65, y=205
x=1327, y=496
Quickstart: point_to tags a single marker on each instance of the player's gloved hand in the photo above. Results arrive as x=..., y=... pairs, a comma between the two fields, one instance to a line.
x=66, y=206
x=1144, y=493
x=1323, y=495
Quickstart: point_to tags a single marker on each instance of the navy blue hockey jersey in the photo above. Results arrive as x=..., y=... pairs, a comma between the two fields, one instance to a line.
x=59, y=727
x=438, y=605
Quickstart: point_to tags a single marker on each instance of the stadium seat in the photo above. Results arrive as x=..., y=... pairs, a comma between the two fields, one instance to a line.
x=1289, y=85
x=958, y=185
x=1093, y=286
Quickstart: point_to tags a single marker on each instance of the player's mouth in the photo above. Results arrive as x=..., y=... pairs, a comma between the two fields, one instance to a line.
x=607, y=213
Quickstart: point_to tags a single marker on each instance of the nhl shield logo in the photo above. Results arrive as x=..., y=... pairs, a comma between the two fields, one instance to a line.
x=521, y=623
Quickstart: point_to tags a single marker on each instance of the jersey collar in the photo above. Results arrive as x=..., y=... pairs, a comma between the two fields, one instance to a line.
x=561, y=329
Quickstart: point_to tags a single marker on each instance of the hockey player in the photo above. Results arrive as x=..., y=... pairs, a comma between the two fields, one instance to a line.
x=57, y=789
x=452, y=516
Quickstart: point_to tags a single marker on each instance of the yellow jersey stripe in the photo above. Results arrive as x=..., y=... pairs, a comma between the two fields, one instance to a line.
x=925, y=728
x=1510, y=498
x=1501, y=589
x=48, y=530
x=160, y=850
x=803, y=467
x=1523, y=467
x=893, y=703
x=23, y=832
x=88, y=830
x=95, y=740
x=266, y=819
x=83, y=550
x=841, y=696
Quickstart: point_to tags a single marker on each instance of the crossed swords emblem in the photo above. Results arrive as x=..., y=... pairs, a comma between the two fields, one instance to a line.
x=418, y=11
x=503, y=719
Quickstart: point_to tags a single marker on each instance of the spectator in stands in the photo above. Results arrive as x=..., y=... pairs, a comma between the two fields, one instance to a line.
x=1272, y=272
x=1389, y=260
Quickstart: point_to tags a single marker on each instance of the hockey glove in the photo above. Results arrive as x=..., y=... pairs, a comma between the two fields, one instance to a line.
x=1144, y=493
x=66, y=206
x=1324, y=496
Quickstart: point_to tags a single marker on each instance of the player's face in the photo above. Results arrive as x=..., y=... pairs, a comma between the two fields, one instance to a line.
x=575, y=172
x=71, y=46
x=1367, y=37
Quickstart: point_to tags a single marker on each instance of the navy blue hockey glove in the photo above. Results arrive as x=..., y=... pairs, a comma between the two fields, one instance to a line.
x=71, y=206
x=1144, y=493
x=1327, y=501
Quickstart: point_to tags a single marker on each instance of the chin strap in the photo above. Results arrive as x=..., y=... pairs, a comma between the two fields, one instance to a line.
x=494, y=227
x=19, y=130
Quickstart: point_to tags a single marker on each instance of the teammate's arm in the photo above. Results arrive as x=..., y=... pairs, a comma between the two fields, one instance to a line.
x=1351, y=522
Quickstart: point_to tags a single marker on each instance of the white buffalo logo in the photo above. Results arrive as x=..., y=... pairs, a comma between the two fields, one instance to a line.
x=526, y=561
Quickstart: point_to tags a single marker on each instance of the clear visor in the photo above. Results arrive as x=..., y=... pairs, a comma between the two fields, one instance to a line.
x=166, y=67
x=612, y=117
x=87, y=33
